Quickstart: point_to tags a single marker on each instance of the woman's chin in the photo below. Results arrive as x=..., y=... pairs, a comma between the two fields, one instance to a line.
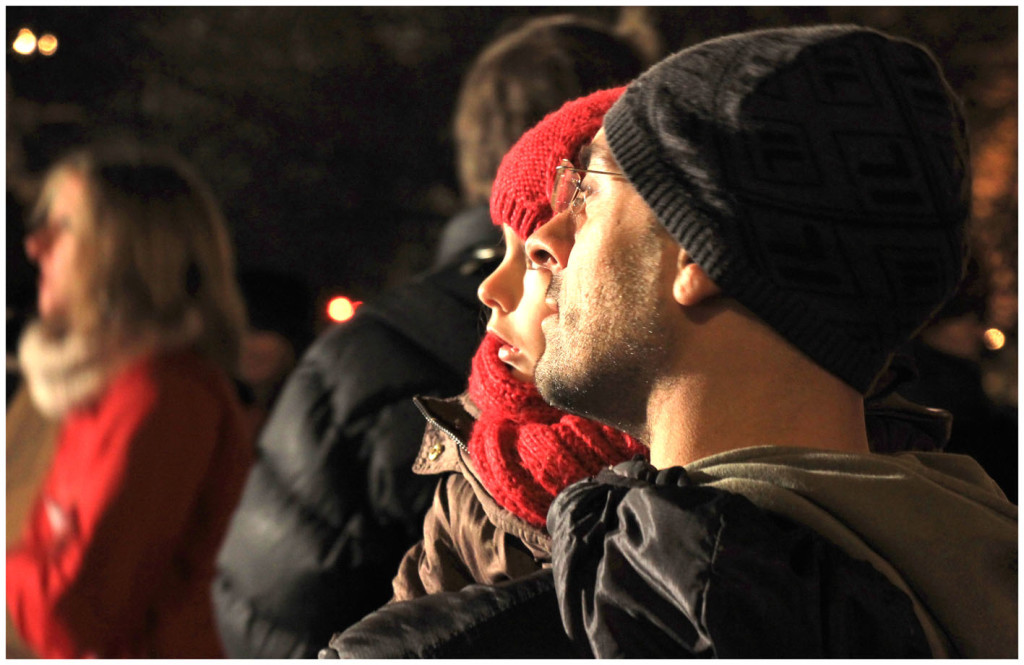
x=520, y=375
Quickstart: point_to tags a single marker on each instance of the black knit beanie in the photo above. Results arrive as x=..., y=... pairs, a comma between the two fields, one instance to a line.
x=819, y=175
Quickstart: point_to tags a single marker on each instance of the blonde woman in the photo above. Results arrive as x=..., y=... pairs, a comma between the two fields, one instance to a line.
x=138, y=333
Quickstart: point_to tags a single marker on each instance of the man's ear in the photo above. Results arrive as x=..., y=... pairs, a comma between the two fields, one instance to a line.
x=692, y=285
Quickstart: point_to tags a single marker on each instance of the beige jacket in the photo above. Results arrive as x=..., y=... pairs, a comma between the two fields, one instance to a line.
x=467, y=537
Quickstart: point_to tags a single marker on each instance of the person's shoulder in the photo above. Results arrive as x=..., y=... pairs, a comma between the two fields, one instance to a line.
x=153, y=384
x=136, y=384
x=368, y=339
x=181, y=376
x=419, y=320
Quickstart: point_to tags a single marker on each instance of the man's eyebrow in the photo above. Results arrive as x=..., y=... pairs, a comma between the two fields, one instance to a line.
x=600, y=151
x=583, y=159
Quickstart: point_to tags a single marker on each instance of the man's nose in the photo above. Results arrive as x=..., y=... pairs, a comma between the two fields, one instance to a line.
x=550, y=245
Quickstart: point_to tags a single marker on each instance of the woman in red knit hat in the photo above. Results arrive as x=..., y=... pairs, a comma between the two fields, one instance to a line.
x=512, y=453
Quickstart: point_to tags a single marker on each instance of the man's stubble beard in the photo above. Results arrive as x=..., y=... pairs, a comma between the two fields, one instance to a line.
x=600, y=361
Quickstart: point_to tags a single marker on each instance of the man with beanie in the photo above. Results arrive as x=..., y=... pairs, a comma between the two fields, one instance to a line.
x=763, y=219
x=762, y=545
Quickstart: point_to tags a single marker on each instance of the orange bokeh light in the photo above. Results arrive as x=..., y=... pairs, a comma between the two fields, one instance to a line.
x=25, y=43
x=47, y=44
x=341, y=308
x=994, y=339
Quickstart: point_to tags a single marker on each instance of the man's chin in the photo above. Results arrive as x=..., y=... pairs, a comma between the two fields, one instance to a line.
x=556, y=373
x=554, y=387
x=546, y=379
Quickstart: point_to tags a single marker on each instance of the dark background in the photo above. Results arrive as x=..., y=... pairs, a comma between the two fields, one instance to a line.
x=325, y=131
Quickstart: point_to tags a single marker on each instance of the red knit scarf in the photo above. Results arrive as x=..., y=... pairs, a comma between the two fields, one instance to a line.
x=526, y=451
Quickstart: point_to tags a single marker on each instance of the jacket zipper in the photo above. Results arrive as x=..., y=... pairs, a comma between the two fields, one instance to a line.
x=434, y=421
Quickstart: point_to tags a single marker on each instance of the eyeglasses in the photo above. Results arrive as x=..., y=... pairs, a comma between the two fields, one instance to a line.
x=567, y=194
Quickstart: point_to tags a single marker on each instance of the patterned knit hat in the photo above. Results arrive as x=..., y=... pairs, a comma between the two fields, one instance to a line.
x=521, y=196
x=819, y=175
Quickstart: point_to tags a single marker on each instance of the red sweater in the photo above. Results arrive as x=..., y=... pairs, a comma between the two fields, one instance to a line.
x=118, y=555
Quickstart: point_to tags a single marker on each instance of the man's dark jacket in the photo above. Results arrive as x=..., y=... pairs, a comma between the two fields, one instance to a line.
x=331, y=504
x=759, y=552
x=701, y=573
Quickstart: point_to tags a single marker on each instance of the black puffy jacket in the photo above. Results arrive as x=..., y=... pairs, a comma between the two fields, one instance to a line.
x=648, y=565
x=772, y=551
x=331, y=504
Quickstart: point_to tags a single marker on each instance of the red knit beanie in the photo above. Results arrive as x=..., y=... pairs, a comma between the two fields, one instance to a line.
x=521, y=195
x=524, y=450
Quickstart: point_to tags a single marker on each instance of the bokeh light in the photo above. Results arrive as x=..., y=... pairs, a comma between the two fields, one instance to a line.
x=994, y=339
x=341, y=309
x=48, y=44
x=25, y=42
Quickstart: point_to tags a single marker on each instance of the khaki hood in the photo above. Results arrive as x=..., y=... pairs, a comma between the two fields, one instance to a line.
x=934, y=523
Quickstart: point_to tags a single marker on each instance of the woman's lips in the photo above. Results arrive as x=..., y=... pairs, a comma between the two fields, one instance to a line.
x=506, y=352
x=516, y=361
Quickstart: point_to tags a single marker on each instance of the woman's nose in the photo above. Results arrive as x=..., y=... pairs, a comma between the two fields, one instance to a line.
x=36, y=243
x=499, y=290
x=550, y=245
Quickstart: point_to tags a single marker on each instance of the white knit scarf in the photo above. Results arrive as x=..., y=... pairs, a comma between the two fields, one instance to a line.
x=64, y=372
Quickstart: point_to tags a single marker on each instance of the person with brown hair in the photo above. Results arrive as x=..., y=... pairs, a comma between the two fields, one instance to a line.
x=138, y=336
x=522, y=76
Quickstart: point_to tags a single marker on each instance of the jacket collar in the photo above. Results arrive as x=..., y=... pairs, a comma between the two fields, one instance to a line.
x=444, y=449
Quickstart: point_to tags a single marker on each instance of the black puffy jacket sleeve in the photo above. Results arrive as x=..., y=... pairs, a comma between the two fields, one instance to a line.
x=648, y=565
x=517, y=619
x=332, y=504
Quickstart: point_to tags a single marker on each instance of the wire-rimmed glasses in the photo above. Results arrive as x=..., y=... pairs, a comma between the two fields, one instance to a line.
x=567, y=194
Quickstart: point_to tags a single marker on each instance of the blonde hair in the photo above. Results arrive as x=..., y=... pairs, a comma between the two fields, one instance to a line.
x=153, y=251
